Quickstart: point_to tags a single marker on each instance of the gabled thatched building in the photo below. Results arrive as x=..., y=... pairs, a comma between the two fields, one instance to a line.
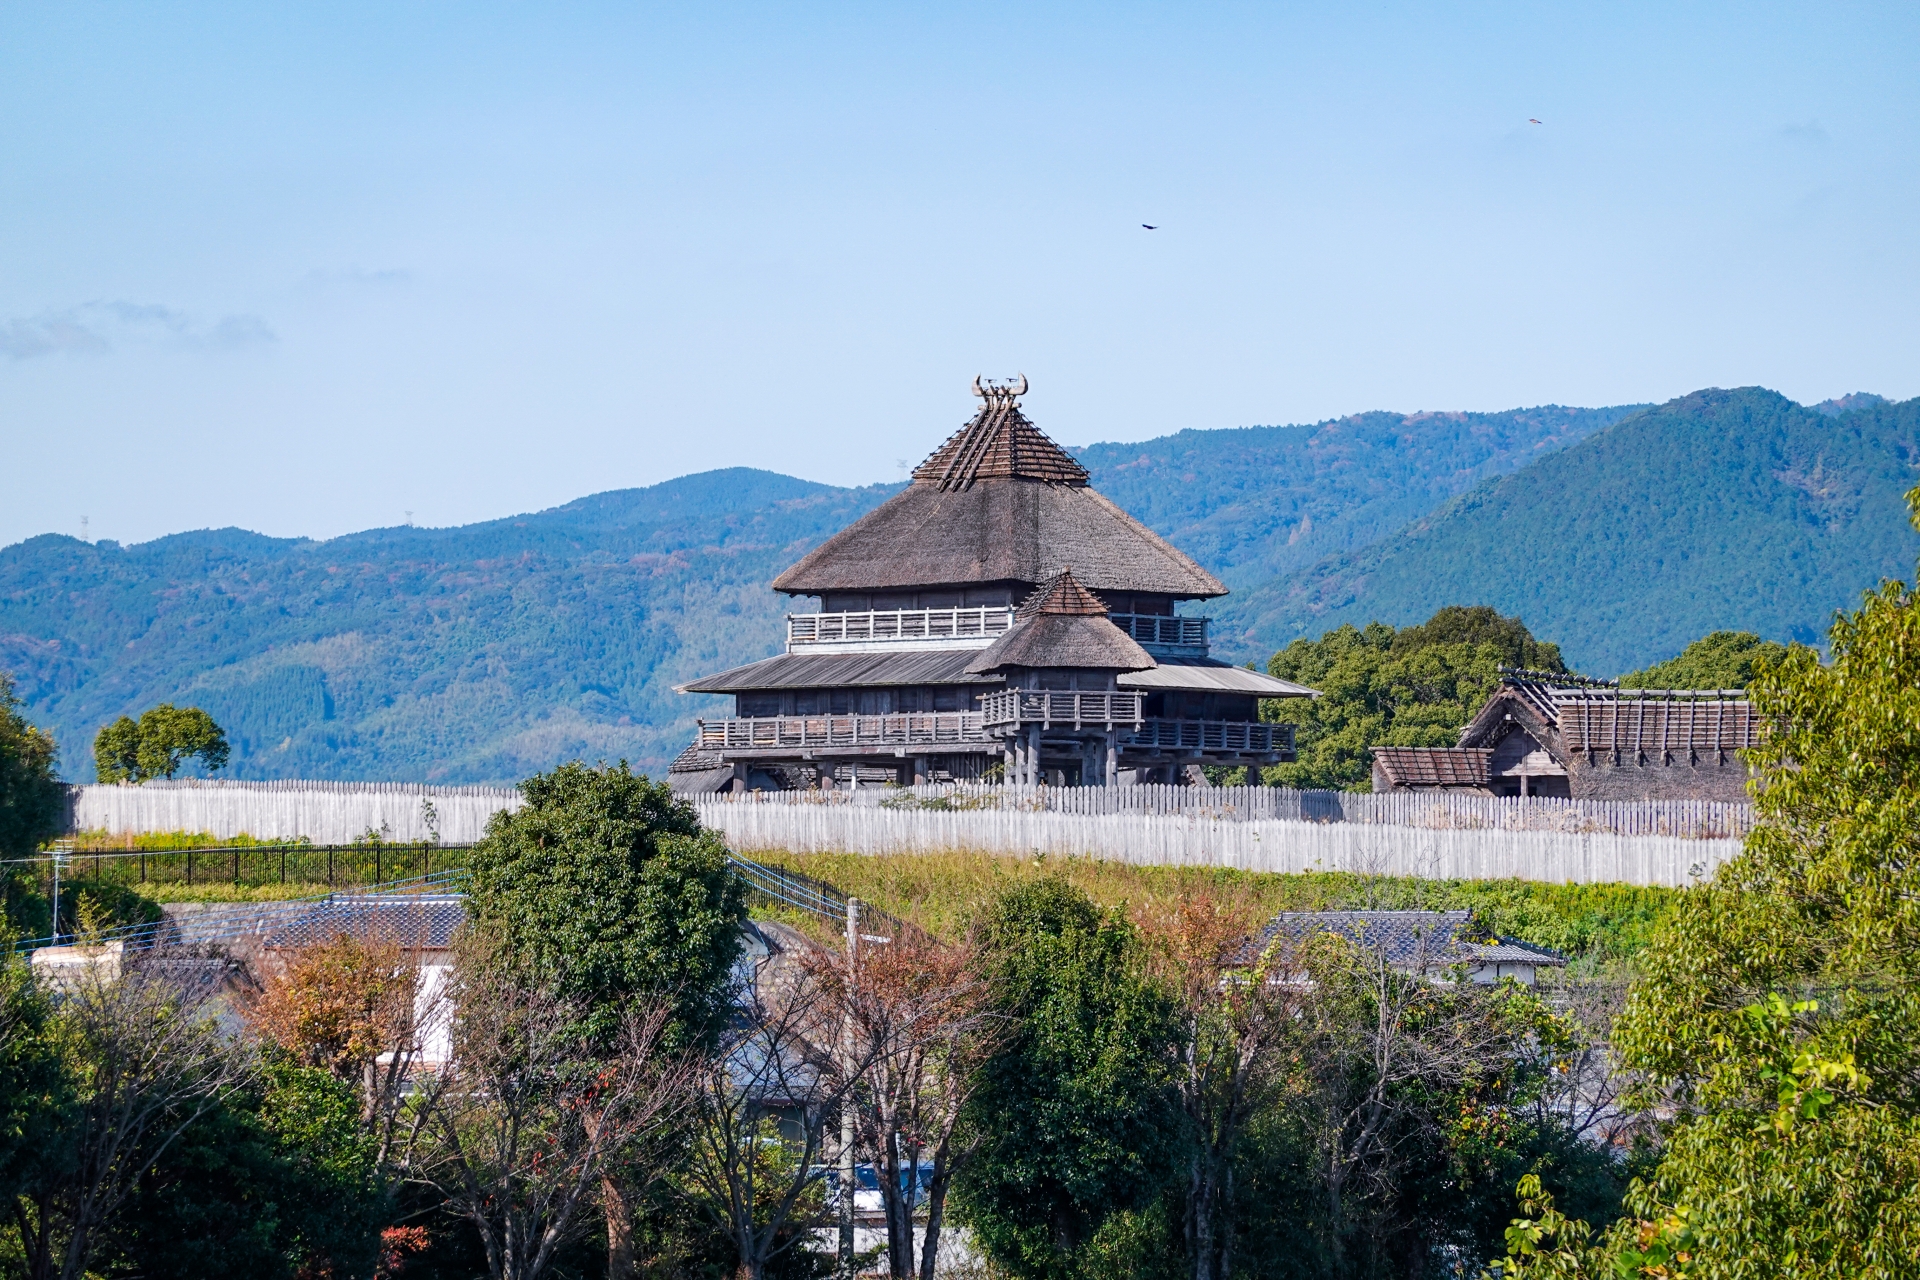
x=999, y=617
x=1545, y=734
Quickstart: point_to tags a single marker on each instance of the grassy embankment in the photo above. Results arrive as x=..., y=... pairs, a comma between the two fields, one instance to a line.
x=941, y=892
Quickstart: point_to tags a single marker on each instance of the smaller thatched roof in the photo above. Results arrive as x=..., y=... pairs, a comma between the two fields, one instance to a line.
x=1063, y=625
x=1434, y=766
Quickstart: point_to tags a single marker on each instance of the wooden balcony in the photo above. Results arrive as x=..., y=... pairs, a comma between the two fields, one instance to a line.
x=1011, y=708
x=1209, y=737
x=1157, y=633
x=942, y=730
x=893, y=626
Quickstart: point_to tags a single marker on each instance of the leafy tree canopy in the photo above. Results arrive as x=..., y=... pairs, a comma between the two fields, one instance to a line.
x=1780, y=1006
x=156, y=745
x=32, y=801
x=608, y=887
x=1723, y=660
x=1412, y=687
x=1076, y=1116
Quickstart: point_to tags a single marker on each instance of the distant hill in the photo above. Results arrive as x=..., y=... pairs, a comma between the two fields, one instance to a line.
x=482, y=653
x=1722, y=510
x=472, y=654
x=1254, y=503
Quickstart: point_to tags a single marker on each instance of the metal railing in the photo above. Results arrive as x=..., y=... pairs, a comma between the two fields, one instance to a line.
x=982, y=623
x=1202, y=736
x=1159, y=631
x=1023, y=706
x=901, y=729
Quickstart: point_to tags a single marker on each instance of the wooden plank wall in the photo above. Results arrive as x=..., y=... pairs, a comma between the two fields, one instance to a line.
x=1690, y=819
x=1257, y=844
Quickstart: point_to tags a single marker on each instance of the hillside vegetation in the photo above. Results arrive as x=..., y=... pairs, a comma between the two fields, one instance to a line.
x=471, y=654
x=483, y=653
x=1722, y=510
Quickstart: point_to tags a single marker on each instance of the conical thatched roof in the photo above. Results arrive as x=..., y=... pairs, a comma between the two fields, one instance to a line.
x=1062, y=624
x=998, y=502
x=999, y=444
x=1062, y=594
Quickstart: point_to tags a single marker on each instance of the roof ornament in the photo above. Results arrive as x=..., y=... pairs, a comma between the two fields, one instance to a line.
x=1003, y=392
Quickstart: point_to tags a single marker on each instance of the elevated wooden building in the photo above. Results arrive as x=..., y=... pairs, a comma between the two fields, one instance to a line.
x=1549, y=735
x=998, y=617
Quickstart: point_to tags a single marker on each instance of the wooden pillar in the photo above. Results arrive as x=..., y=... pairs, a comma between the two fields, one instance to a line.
x=1113, y=757
x=1033, y=755
x=920, y=771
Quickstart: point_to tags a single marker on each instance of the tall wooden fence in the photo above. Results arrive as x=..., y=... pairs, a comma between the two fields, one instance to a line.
x=1253, y=844
x=322, y=812
x=1690, y=819
x=1257, y=828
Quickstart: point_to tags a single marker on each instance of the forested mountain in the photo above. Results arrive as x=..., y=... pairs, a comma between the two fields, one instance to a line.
x=1254, y=503
x=484, y=652
x=1722, y=510
x=469, y=654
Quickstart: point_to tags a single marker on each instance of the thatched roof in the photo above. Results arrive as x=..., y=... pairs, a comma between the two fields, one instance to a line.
x=999, y=444
x=842, y=671
x=1062, y=624
x=1434, y=766
x=1064, y=640
x=998, y=502
x=1210, y=675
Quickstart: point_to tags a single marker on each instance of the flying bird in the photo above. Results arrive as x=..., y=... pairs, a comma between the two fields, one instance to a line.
x=1149, y=226
x=1531, y=120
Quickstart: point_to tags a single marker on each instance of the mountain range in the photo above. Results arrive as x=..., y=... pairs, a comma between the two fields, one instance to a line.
x=484, y=652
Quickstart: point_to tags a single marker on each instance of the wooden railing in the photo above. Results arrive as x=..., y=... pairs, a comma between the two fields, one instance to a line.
x=1162, y=632
x=905, y=729
x=1022, y=706
x=898, y=624
x=1201, y=736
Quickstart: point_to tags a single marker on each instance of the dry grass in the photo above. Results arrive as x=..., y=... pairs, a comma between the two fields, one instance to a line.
x=943, y=891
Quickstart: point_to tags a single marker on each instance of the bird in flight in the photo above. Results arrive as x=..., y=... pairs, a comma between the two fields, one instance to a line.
x=1149, y=226
x=1531, y=120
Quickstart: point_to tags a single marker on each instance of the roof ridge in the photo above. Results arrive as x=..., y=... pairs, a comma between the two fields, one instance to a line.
x=999, y=442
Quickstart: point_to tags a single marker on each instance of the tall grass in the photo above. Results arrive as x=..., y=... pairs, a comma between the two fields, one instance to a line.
x=942, y=892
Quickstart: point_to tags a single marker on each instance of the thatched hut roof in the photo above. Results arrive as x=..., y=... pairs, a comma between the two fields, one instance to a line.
x=998, y=502
x=1062, y=624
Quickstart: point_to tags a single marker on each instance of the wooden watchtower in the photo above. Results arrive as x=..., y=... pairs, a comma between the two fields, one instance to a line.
x=999, y=617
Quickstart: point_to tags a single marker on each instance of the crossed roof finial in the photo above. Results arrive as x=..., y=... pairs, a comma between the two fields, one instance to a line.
x=1004, y=392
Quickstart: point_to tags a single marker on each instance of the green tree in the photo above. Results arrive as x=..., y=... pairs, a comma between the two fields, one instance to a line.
x=1781, y=1004
x=1077, y=1119
x=1414, y=687
x=33, y=806
x=607, y=892
x=278, y=1179
x=607, y=888
x=156, y=745
x=34, y=1090
x=1723, y=660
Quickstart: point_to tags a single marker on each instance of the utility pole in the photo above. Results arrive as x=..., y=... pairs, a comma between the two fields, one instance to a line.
x=845, y=1270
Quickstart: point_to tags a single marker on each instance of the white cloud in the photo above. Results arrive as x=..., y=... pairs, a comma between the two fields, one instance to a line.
x=95, y=328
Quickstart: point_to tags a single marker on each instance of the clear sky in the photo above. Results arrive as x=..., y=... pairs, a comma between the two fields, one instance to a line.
x=307, y=268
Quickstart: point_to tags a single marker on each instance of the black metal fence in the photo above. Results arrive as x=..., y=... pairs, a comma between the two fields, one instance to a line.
x=337, y=866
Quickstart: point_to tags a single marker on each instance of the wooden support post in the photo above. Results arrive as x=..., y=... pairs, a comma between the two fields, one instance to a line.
x=1113, y=757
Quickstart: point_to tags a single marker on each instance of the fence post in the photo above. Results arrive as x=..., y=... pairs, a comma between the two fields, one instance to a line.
x=189, y=867
x=283, y=864
x=329, y=866
x=236, y=866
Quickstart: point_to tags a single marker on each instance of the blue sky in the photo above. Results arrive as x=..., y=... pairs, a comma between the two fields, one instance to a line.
x=305, y=269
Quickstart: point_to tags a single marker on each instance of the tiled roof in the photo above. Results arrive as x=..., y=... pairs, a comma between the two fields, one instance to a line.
x=424, y=921
x=1434, y=766
x=1407, y=939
